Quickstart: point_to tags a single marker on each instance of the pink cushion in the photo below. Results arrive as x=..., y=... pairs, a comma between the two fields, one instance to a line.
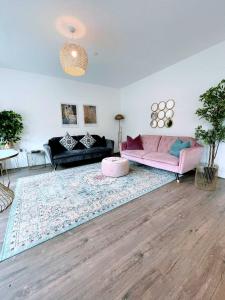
x=134, y=144
x=163, y=158
x=150, y=142
x=167, y=141
x=135, y=153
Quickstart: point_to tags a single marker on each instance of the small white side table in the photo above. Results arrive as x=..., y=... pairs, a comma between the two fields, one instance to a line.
x=6, y=194
x=36, y=159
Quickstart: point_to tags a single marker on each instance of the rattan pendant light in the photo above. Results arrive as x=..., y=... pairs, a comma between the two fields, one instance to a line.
x=73, y=58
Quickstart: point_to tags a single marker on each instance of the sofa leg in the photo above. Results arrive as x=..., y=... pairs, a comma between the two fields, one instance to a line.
x=55, y=167
x=177, y=177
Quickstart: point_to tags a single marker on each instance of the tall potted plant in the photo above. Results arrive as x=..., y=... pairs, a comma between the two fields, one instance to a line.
x=213, y=111
x=11, y=127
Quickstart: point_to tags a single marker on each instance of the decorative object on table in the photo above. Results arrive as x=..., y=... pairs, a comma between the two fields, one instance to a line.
x=68, y=142
x=6, y=194
x=36, y=159
x=59, y=155
x=90, y=114
x=115, y=166
x=83, y=194
x=69, y=114
x=213, y=111
x=162, y=114
x=119, y=117
x=73, y=57
x=11, y=128
x=88, y=140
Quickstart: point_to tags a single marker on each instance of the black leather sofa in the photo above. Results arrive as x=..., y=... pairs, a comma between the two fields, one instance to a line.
x=59, y=155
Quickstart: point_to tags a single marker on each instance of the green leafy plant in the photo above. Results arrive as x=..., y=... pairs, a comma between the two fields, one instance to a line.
x=213, y=111
x=11, y=127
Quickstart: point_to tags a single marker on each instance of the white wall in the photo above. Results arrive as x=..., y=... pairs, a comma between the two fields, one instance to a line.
x=183, y=82
x=38, y=99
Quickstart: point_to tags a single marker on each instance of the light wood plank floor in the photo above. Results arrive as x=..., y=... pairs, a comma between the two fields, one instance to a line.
x=168, y=244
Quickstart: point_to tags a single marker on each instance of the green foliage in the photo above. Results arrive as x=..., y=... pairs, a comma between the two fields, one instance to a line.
x=213, y=111
x=11, y=126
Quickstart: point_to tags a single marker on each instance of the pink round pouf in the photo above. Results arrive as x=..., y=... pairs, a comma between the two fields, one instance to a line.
x=115, y=166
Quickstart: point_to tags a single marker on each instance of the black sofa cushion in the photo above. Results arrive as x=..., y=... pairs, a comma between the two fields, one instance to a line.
x=79, y=145
x=55, y=146
x=99, y=141
x=80, y=152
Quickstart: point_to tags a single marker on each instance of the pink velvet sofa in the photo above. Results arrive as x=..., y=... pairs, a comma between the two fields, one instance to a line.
x=156, y=154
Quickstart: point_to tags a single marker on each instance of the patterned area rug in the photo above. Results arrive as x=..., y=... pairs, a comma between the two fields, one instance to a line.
x=49, y=204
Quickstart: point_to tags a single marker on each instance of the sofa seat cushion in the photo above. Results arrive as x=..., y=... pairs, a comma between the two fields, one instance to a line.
x=96, y=150
x=165, y=158
x=70, y=153
x=135, y=153
x=79, y=152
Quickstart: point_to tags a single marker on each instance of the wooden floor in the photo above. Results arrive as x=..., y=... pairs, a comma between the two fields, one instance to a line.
x=168, y=244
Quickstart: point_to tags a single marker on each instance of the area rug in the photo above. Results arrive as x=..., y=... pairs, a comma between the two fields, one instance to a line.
x=49, y=204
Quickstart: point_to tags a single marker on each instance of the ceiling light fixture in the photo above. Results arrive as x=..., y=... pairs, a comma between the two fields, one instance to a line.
x=73, y=58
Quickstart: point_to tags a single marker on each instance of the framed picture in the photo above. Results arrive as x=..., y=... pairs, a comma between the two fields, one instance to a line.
x=69, y=114
x=90, y=115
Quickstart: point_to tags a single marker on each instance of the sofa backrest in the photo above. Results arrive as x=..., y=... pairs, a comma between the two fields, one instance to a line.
x=57, y=148
x=150, y=142
x=166, y=142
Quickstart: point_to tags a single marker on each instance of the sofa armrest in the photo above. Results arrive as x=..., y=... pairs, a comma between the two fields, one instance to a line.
x=123, y=146
x=49, y=152
x=189, y=158
x=110, y=144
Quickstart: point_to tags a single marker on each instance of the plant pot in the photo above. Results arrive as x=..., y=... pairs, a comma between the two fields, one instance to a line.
x=9, y=145
x=206, y=177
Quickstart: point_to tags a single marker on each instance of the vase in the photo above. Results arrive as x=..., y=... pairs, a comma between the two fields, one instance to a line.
x=206, y=177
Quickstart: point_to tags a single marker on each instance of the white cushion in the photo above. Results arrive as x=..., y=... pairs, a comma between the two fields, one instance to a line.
x=68, y=142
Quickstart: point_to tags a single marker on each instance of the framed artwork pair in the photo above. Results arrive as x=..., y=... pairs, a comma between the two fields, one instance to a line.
x=69, y=113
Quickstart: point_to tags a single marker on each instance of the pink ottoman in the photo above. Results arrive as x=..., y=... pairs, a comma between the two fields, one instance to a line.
x=115, y=166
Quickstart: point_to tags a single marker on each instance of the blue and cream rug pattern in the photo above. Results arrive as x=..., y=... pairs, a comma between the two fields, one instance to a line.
x=49, y=204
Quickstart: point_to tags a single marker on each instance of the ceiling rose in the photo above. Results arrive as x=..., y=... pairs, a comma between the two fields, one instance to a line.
x=65, y=22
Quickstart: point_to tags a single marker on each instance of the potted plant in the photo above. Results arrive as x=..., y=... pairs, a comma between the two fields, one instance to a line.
x=213, y=111
x=11, y=127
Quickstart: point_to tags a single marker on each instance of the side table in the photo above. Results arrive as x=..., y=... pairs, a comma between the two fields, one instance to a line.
x=6, y=194
x=36, y=158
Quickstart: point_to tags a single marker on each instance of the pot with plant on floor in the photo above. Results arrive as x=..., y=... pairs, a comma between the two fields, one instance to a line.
x=11, y=127
x=213, y=111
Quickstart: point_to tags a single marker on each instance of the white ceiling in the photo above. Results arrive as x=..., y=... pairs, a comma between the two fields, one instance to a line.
x=133, y=38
